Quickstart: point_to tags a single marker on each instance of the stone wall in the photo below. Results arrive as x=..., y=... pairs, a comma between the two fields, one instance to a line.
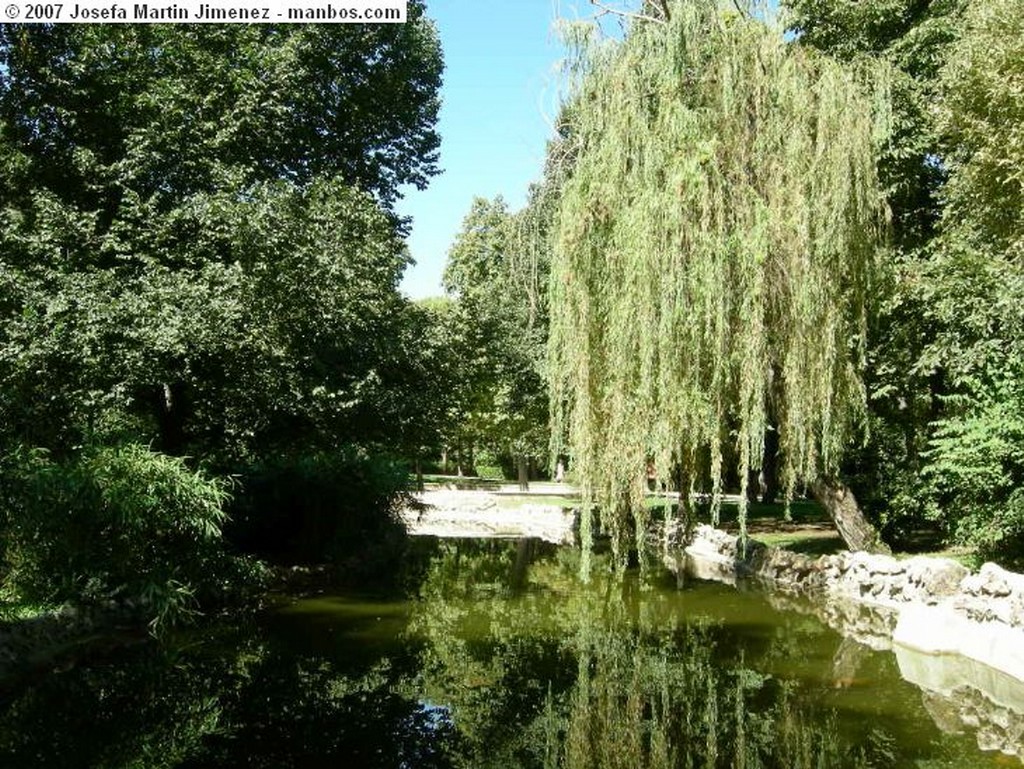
x=938, y=606
x=963, y=695
x=958, y=636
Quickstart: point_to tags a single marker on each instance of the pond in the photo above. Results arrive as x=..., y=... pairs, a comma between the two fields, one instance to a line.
x=496, y=657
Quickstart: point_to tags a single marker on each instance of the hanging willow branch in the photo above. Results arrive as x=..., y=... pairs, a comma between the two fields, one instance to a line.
x=712, y=256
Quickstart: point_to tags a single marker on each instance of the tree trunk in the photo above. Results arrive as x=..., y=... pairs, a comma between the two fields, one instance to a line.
x=753, y=485
x=524, y=473
x=419, y=474
x=848, y=661
x=685, y=509
x=842, y=507
x=524, y=556
x=171, y=417
x=444, y=459
x=770, y=467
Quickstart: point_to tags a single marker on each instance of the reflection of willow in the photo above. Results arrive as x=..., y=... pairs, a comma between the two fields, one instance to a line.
x=659, y=700
x=646, y=691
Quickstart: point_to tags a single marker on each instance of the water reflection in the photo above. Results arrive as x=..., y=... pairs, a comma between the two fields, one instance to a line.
x=963, y=695
x=706, y=677
x=500, y=658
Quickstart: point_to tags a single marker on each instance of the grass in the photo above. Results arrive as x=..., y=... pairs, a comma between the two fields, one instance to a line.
x=808, y=543
x=807, y=530
x=801, y=511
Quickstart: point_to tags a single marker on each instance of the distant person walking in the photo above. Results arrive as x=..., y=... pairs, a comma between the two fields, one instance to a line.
x=559, y=472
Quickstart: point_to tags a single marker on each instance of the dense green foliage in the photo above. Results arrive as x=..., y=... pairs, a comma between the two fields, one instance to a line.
x=99, y=112
x=251, y=345
x=716, y=240
x=172, y=271
x=945, y=361
x=114, y=523
x=975, y=285
x=499, y=327
x=912, y=38
x=199, y=253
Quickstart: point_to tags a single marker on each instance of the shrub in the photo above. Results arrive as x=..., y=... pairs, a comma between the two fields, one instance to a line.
x=121, y=524
x=976, y=471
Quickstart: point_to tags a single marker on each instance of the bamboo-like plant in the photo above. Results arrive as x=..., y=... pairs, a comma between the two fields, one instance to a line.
x=114, y=527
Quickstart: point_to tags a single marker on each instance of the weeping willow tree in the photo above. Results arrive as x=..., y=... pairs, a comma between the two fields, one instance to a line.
x=713, y=253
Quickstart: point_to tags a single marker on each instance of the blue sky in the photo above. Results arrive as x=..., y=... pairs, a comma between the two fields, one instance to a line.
x=500, y=94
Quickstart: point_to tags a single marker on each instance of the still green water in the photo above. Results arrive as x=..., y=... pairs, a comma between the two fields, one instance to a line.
x=496, y=657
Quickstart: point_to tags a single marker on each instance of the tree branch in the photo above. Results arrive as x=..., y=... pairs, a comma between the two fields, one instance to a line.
x=604, y=9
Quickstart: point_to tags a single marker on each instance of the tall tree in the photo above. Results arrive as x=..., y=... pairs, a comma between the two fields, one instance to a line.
x=495, y=280
x=972, y=287
x=714, y=252
x=944, y=367
x=906, y=391
x=199, y=246
x=168, y=110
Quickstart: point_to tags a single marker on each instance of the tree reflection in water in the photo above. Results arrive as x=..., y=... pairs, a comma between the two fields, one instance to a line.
x=539, y=670
x=625, y=683
x=502, y=659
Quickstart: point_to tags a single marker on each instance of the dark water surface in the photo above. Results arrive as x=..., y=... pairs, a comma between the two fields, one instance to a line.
x=498, y=657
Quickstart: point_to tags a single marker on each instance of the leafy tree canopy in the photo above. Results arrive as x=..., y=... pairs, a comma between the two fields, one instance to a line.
x=197, y=238
x=164, y=111
x=713, y=254
x=982, y=122
x=500, y=330
x=945, y=368
x=973, y=287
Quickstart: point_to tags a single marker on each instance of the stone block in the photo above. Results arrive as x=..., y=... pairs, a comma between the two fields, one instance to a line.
x=934, y=578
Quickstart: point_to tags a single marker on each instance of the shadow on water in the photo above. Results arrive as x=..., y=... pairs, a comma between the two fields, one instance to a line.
x=498, y=657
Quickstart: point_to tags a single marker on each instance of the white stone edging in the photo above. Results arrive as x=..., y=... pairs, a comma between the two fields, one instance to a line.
x=940, y=606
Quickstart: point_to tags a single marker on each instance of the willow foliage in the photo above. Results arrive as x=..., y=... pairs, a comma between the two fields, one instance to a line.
x=712, y=256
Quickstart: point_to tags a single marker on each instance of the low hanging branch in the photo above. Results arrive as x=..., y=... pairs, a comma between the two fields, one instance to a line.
x=712, y=256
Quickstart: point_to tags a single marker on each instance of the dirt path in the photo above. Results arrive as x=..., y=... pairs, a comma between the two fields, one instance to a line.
x=454, y=513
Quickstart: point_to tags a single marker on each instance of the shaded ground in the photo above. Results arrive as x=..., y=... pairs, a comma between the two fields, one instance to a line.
x=457, y=501
x=806, y=538
x=808, y=529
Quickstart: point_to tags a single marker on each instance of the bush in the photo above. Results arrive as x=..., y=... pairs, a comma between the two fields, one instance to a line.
x=329, y=507
x=121, y=524
x=976, y=472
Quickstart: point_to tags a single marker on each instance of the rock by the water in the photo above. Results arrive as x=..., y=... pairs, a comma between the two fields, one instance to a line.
x=934, y=605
